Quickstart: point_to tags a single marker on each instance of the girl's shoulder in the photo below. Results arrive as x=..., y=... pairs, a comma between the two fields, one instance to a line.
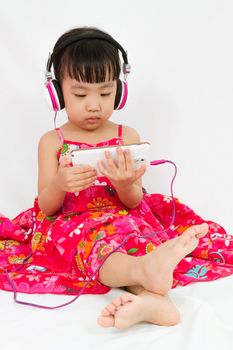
x=49, y=140
x=49, y=135
x=130, y=135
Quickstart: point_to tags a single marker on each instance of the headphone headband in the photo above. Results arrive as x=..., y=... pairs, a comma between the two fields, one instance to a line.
x=126, y=66
x=54, y=91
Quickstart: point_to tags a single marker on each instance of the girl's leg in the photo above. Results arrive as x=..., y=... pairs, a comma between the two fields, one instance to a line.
x=153, y=271
x=141, y=306
x=120, y=270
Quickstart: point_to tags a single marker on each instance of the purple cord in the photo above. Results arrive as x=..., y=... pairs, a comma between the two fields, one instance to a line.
x=155, y=162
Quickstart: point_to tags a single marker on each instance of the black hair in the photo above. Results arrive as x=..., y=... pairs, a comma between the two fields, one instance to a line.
x=89, y=60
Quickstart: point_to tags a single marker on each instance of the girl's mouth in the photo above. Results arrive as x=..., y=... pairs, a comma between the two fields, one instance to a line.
x=92, y=119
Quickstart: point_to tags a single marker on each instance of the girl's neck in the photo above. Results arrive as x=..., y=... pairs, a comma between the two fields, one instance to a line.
x=107, y=131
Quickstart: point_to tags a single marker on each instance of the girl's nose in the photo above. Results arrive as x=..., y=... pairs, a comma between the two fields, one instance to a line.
x=93, y=105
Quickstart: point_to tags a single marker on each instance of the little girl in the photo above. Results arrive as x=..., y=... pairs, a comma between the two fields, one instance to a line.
x=79, y=219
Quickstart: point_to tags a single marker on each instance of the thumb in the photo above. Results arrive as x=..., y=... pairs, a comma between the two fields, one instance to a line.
x=65, y=162
x=141, y=171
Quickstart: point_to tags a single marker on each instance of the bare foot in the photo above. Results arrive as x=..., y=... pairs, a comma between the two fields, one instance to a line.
x=156, y=274
x=130, y=309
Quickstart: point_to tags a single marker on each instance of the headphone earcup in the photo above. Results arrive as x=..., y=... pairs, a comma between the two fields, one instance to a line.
x=54, y=94
x=121, y=94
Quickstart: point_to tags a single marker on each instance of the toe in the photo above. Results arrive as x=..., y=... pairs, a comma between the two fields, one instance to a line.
x=106, y=321
x=195, y=230
x=105, y=312
x=117, y=302
x=111, y=308
x=127, y=297
x=203, y=229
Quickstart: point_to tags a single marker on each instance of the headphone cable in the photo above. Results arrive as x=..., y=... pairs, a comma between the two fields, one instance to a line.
x=156, y=162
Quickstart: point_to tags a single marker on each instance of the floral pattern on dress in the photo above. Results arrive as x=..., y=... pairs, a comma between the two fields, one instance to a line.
x=64, y=250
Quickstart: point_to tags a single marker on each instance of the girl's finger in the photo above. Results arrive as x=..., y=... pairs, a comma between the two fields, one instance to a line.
x=78, y=189
x=121, y=160
x=81, y=184
x=77, y=169
x=102, y=168
x=128, y=159
x=139, y=172
x=65, y=162
x=84, y=176
x=111, y=164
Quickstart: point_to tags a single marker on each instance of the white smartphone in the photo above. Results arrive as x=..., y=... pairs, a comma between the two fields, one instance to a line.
x=140, y=153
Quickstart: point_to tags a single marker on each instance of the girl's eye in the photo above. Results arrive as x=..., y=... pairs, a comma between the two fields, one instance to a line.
x=103, y=95
x=79, y=95
x=108, y=94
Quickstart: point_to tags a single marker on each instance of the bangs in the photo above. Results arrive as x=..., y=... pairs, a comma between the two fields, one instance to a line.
x=90, y=61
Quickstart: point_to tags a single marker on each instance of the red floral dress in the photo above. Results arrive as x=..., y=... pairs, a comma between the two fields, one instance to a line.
x=68, y=247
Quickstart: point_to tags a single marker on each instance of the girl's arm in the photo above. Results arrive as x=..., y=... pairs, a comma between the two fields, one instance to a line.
x=50, y=196
x=131, y=194
x=56, y=179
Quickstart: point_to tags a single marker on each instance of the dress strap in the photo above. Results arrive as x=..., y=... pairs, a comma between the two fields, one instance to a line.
x=120, y=130
x=61, y=136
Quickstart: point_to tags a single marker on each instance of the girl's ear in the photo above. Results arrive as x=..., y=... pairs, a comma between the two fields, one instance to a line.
x=121, y=94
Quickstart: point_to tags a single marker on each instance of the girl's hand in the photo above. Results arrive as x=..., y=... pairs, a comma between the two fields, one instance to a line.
x=124, y=174
x=74, y=178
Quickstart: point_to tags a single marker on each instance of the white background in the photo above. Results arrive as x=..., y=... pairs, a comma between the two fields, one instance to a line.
x=180, y=92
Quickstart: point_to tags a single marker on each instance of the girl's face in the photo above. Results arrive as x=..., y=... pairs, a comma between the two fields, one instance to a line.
x=88, y=105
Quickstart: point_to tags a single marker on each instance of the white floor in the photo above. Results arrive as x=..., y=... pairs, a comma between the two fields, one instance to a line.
x=206, y=312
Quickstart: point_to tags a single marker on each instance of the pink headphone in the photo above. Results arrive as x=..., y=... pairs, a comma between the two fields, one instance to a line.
x=53, y=89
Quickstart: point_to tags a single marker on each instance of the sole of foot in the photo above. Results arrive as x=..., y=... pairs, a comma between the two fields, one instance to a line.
x=129, y=309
